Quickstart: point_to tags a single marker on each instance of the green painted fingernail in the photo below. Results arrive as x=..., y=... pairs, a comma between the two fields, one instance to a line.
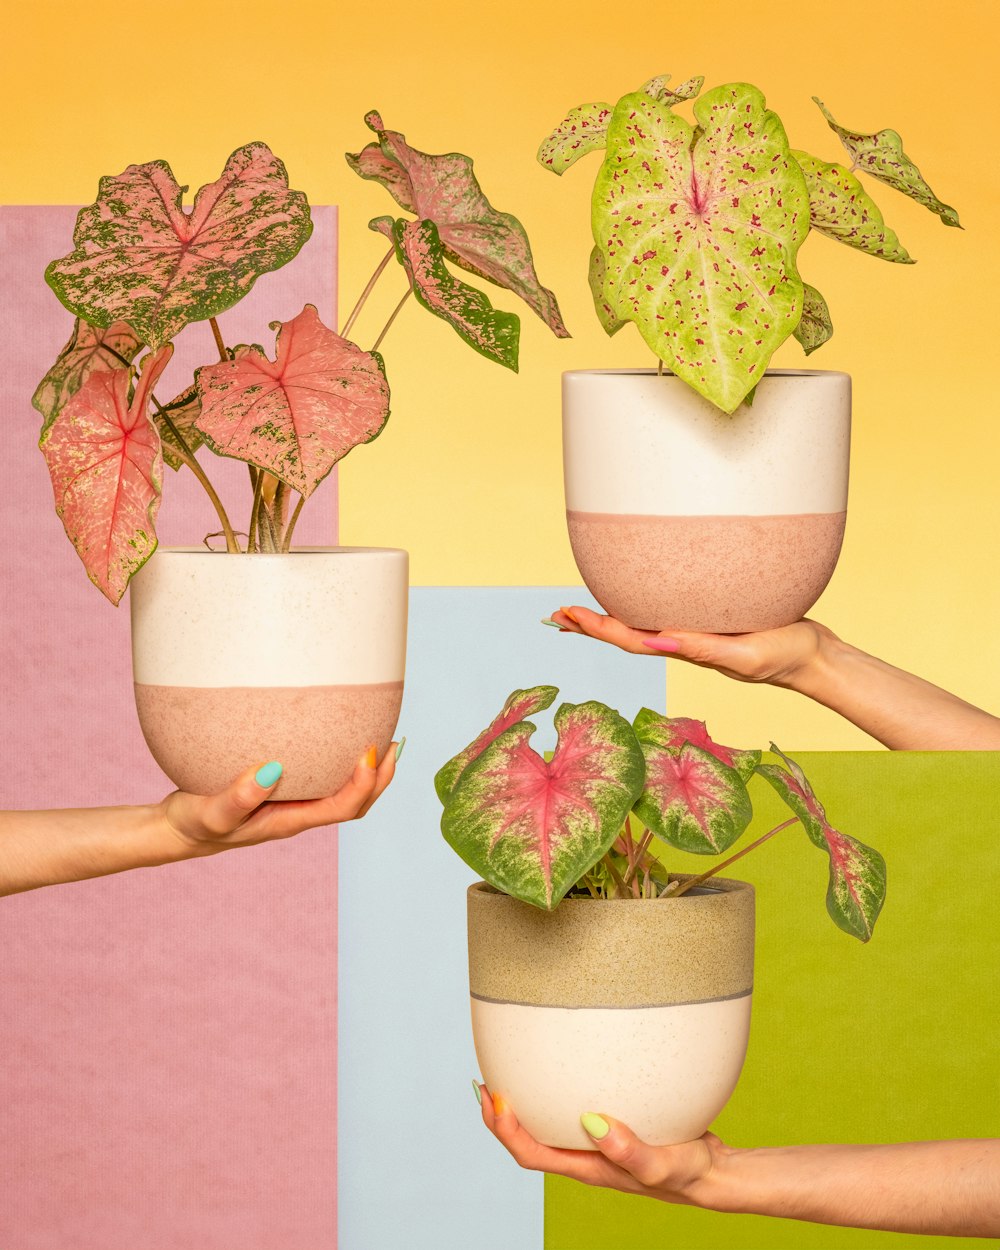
x=268, y=774
x=548, y=621
x=596, y=1125
x=479, y=1092
x=399, y=748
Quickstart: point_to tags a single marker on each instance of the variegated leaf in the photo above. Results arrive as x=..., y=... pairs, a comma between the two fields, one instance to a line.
x=595, y=277
x=298, y=415
x=658, y=89
x=443, y=189
x=489, y=330
x=842, y=209
x=103, y=455
x=179, y=415
x=90, y=349
x=671, y=732
x=881, y=155
x=857, y=872
x=141, y=258
x=532, y=827
x=692, y=799
x=519, y=704
x=700, y=229
x=582, y=130
x=815, y=328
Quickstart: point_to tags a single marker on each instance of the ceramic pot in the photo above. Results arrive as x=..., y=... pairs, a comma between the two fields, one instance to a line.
x=239, y=659
x=636, y=1008
x=681, y=517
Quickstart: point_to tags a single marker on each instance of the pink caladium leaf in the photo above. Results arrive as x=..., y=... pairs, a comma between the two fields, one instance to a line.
x=519, y=705
x=141, y=258
x=815, y=328
x=533, y=827
x=881, y=155
x=672, y=732
x=857, y=872
x=700, y=228
x=103, y=455
x=692, y=799
x=179, y=417
x=842, y=209
x=90, y=349
x=443, y=189
x=297, y=415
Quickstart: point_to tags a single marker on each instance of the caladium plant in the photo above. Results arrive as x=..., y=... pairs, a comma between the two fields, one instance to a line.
x=582, y=821
x=144, y=267
x=697, y=228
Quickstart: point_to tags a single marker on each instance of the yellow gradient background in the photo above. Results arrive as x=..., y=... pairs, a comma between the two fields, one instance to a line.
x=468, y=473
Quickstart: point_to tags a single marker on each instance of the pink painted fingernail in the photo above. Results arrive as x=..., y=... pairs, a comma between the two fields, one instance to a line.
x=662, y=644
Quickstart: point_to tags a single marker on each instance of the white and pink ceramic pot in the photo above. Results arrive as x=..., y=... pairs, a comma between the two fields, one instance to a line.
x=636, y=1008
x=240, y=659
x=682, y=517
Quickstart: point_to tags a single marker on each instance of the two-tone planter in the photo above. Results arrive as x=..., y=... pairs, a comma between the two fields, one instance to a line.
x=297, y=657
x=681, y=517
x=636, y=1008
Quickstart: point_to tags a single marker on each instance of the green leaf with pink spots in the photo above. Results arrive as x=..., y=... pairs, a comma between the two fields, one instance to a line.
x=297, y=415
x=179, y=417
x=881, y=155
x=141, y=258
x=103, y=455
x=842, y=209
x=671, y=732
x=595, y=276
x=532, y=827
x=699, y=228
x=91, y=349
x=815, y=328
x=857, y=872
x=687, y=90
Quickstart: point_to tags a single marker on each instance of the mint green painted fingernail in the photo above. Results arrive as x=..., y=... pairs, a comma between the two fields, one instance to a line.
x=548, y=621
x=479, y=1092
x=268, y=774
x=399, y=748
x=596, y=1125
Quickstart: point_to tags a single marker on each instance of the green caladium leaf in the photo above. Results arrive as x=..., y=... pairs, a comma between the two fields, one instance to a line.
x=658, y=89
x=857, y=872
x=489, y=330
x=815, y=327
x=90, y=349
x=182, y=412
x=519, y=705
x=842, y=209
x=881, y=155
x=672, y=732
x=700, y=228
x=142, y=259
x=595, y=276
x=533, y=827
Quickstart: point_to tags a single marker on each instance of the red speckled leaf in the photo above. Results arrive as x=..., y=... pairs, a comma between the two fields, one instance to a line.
x=183, y=412
x=658, y=89
x=141, y=258
x=671, y=732
x=443, y=189
x=103, y=454
x=857, y=872
x=842, y=209
x=815, y=328
x=90, y=349
x=595, y=276
x=298, y=415
x=692, y=799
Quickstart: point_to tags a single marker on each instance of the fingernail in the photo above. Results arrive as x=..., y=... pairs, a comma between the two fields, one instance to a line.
x=499, y=1106
x=596, y=1125
x=662, y=644
x=400, y=745
x=268, y=774
x=546, y=620
x=569, y=612
x=371, y=758
x=479, y=1092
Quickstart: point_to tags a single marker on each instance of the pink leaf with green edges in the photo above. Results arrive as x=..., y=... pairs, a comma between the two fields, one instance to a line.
x=532, y=827
x=297, y=415
x=443, y=189
x=842, y=209
x=90, y=349
x=141, y=258
x=692, y=799
x=179, y=415
x=103, y=455
x=671, y=732
x=815, y=328
x=857, y=872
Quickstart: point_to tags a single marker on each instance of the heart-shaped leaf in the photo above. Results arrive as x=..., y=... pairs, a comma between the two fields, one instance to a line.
x=142, y=259
x=692, y=799
x=842, y=209
x=671, y=733
x=467, y=310
x=658, y=89
x=532, y=827
x=857, y=872
x=595, y=277
x=103, y=455
x=91, y=349
x=519, y=704
x=881, y=155
x=700, y=229
x=179, y=417
x=298, y=415
x=815, y=328
x=443, y=189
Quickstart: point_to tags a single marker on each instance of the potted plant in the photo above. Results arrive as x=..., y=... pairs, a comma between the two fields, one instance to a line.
x=597, y=977
x=688, y=508
x=261, y=649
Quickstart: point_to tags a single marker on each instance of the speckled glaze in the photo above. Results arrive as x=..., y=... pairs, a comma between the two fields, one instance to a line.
x=636, y=1008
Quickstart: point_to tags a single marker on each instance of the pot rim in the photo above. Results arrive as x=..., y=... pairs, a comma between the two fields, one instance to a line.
x=726, y=885
x=306, y=550
x=667, y=373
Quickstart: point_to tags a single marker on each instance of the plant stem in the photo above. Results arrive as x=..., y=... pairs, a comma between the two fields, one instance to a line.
x=257, y=477
x=687, y=885
x=286, y=544
x=223, y=354
x=395, y=314
x=640, y=850
x=616, y=875
x=187, y=455
x=366, y=292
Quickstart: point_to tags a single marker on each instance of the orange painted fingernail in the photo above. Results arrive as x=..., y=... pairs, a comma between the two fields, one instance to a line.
x=569, y=612
x=499, y=1106
x=371, y=759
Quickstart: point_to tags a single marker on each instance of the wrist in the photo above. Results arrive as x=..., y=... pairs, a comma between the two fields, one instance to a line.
x=165, y=843
x=815, y=674
x=718, y=1188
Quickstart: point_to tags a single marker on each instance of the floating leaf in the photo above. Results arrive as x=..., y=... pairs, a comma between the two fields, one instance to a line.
x=699, y=229
x=842, y=209
x=857, y=872
x=182, y=412
x=595, y=276
x=671, y=733
x=141, y=258
x=692, y=799
x=815, y=328
x=881, y=155
x=90, y=349
x=467, y=310
x=520, y=704
x=300, y=414
x=531, y=827
x=443, y=189
x=103, y=455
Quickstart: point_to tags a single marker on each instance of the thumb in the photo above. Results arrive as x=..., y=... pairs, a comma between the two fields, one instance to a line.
x=215, y=815
x=657, y=1167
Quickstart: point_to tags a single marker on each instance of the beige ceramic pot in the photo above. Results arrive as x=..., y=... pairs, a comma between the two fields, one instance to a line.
x=636, y=1008
x=239, y=659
